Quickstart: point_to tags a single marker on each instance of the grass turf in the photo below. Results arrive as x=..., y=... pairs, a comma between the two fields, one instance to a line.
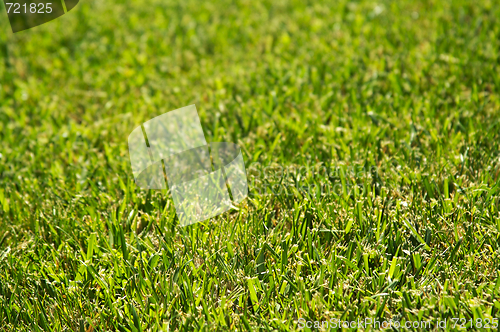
x=400, y=98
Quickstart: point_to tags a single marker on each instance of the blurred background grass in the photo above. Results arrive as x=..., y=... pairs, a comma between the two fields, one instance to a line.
x=410, y=87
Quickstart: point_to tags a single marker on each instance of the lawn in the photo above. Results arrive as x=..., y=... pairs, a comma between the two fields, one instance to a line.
x=370, y=133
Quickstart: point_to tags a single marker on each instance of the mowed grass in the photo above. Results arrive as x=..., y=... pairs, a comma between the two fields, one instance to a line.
x=405, y=92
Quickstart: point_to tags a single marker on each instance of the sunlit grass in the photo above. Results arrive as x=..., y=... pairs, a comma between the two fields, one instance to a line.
x=399, y=98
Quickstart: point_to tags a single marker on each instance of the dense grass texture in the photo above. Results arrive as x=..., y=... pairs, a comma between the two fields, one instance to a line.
x=401, y=98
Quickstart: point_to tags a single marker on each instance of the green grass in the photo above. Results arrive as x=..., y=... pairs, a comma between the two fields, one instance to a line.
x=407, y=92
